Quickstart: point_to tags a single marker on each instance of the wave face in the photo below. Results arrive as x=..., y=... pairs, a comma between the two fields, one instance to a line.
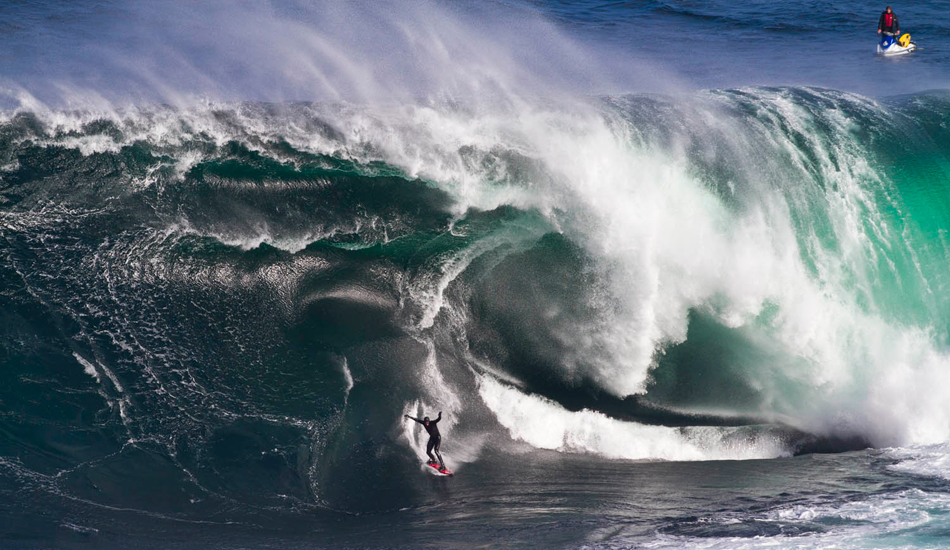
x=239, y=300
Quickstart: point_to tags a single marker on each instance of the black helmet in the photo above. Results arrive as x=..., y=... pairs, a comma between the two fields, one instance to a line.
x=426, y=419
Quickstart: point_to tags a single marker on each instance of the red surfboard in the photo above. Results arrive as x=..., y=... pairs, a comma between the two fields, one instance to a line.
x=441, y=471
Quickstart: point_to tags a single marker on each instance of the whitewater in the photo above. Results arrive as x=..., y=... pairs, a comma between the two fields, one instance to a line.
x=664, y=297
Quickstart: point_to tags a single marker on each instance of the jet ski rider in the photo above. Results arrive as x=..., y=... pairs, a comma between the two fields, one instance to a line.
x=887, y=25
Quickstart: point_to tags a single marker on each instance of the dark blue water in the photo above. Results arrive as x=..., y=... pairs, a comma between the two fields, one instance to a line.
x=674, y=272
x=724, y=44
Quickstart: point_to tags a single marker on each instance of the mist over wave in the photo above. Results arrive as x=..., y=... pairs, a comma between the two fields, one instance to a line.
x=180, y=52
x=100, y=53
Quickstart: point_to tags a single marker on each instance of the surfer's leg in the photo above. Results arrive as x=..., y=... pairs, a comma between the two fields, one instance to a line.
x=438, y=443
x=429, y=446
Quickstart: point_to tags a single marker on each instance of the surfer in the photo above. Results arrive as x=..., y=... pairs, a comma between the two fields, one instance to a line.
x=435, y=438
x=887, y=24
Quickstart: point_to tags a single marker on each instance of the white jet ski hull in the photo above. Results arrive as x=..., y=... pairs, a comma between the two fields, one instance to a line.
x=896, y=49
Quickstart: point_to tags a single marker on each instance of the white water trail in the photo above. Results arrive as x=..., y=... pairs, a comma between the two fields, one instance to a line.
x=544, y=424
x=91, y=370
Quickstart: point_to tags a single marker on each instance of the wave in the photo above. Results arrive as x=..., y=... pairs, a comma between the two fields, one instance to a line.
x=259, y=291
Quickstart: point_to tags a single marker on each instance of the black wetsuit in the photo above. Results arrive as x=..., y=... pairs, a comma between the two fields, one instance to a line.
x=893, y=29
x=435, y=439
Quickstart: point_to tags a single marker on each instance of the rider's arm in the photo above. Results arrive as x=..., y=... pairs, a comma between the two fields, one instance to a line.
x=437, y=419
x=411, y=418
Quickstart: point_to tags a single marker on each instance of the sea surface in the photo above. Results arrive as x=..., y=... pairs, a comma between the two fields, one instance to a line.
x=674, y=273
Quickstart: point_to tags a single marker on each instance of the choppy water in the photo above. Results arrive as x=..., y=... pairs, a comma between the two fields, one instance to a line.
x=666, y=295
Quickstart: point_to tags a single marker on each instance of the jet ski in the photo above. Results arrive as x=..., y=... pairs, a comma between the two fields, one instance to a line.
x=889, y=46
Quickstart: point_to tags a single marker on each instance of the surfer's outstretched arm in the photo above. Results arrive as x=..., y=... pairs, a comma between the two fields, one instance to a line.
x=437, y=419
x=411, y=418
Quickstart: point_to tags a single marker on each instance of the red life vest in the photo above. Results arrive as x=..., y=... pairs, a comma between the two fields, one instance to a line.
x=888, y=19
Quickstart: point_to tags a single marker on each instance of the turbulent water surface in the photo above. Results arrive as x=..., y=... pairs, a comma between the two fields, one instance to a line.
x=673, y=278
